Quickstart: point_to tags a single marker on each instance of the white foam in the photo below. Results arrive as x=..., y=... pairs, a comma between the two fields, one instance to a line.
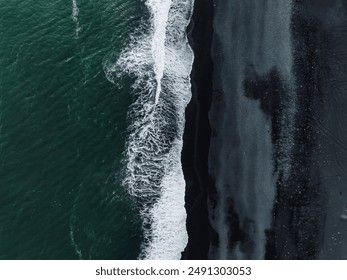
x=160, y=59
x=74, y=16
x=73, y=222
x=168, y=218
x=78, y=251
x=160, y=13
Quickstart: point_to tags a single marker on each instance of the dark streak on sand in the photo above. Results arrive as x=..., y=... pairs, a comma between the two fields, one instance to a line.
x=197, y=133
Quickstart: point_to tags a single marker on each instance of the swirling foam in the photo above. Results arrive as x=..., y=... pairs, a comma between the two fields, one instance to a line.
x=159, y=59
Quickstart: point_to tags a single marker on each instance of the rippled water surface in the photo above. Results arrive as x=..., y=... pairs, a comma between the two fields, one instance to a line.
x=63, y=130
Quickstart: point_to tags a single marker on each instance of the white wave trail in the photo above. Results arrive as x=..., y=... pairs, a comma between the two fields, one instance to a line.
x=160, y=59
x=74, y=16
x=160, y=12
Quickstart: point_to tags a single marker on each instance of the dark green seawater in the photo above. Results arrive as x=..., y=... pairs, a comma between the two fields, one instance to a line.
x=63, y=131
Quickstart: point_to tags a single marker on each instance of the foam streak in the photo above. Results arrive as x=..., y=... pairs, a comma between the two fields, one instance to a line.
x=74, y=16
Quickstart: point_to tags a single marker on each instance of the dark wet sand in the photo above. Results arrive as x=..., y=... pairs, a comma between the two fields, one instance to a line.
x=197, y=133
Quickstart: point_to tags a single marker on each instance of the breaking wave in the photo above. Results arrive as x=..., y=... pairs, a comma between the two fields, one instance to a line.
x=160, y=60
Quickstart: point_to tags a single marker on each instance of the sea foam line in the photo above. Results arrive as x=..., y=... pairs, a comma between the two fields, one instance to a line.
x=74, y=16
x=160, y=13
x=160, y=60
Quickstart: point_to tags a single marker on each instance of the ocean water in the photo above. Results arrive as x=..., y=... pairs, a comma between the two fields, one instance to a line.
x=92, y=102
x=63, y=129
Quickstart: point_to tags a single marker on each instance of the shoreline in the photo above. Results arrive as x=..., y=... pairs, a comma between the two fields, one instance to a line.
x=196, y=139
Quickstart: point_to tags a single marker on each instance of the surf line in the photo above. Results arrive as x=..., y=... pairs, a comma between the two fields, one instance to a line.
x=160, y=60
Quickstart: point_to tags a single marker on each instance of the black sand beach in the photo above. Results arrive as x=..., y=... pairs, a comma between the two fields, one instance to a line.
x=197, y=133
x=265, y=151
